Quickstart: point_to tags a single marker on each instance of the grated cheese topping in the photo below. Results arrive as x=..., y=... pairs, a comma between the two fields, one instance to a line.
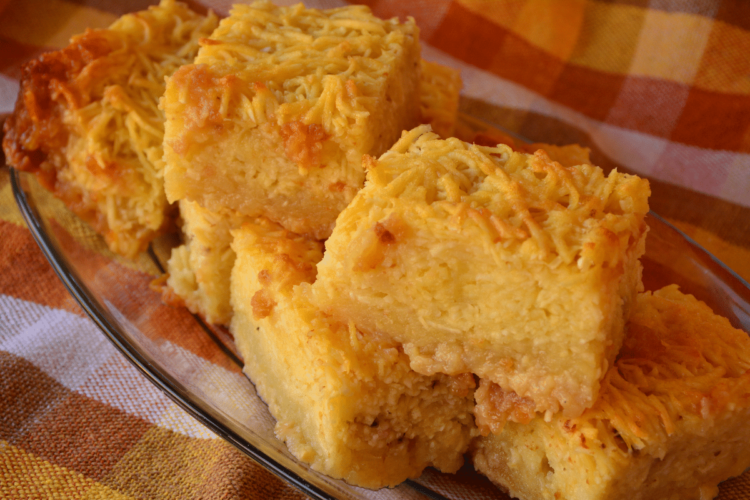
x=327, y=67
x=681, y=366
x=518, y=201
x=121, y=126
x=87, y=120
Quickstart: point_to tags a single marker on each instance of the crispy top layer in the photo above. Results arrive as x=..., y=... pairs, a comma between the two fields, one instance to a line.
x=87, y=119
x=295, y=256
x=121, y=68
x=323, y=66
x=681, y=366
x=519, y=201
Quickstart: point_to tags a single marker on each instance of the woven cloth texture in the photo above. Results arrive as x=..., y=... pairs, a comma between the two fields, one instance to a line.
x=660, y=88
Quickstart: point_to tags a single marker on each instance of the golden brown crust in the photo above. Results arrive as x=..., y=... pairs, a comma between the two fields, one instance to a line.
x=203, y=92
x=670, y=421
x=496, y=406
x=262, y=304
x=303, y=144
x=303, y=108
x=35, y=133
x=87, y=121
x=675, y=346
x=461, y=385
x=346, y=402
x=293, y=255
x=501, y=253
x=48, y=86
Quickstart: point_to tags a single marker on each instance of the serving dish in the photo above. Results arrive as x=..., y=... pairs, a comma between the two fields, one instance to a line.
x=198, y=367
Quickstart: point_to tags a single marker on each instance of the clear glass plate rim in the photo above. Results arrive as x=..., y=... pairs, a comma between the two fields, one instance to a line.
x=699, y=247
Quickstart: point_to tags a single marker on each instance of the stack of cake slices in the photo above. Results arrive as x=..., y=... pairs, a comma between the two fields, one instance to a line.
x=267, y=140
x=524, y=273
x=403, y=298
x=273, y=120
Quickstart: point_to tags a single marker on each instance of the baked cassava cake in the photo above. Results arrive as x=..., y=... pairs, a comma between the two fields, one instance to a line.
x=345, y=402
x=200, y=269
x=487, y=261
x=670, y=422
x=278, y=109
x=87, y=121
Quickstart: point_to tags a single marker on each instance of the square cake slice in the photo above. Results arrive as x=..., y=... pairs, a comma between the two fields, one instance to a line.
x=345, y=402
x=671, y=420
x=487, y=261
x=200, y=269
x=87, y=121
x=278, y=109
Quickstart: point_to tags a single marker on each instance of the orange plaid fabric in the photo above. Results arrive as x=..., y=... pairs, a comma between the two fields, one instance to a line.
x=659, y=88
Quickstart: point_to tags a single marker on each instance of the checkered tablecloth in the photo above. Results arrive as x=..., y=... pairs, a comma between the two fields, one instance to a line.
x=660, y=88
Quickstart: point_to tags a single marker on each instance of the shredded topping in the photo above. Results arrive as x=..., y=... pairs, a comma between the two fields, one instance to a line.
x=680, y=365
x=495, y=407
x=97, y=102
x=327, y=66
x=294, y=254
x=572, y=214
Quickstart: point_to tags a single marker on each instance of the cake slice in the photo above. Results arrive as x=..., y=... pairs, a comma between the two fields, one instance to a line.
x=199, y=270
x=345, y=402
x=670, y=421
x=87, y=121
x=487, y=261
x=278, y=109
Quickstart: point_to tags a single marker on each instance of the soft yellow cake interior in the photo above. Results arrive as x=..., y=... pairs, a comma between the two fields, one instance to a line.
x=487, y=261
x=670, y=422
x=200, y=269
x=282, y=102
x=345, y=402
x=87, y=120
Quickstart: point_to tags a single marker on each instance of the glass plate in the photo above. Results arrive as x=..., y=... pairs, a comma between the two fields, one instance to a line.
x=197, y=366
